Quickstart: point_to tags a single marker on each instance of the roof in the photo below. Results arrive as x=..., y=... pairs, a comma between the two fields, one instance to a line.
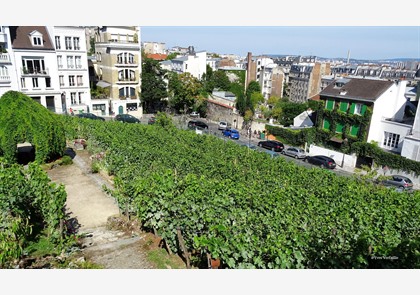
x=157, y=56
x=358, y=89
x=21, y=40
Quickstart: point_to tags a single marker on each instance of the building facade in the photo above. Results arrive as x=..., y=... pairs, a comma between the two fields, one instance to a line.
x=118, y=66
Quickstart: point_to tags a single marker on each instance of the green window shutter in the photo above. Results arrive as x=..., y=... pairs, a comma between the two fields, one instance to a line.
x=326, y=124
x=354, y=130
x=344, y=106
x=364, y=107
x=330, y=104
x=352, y=107
x=339, y=128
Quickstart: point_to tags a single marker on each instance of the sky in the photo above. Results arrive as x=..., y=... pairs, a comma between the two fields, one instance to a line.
x=360, y=42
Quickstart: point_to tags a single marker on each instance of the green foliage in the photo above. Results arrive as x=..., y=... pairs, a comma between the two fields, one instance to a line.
x=292, y=137
x=24, y=120
x=29, y=204
x=164, y=120
x=184, y=89
x=252, y=212
x=153, y=86
x=171, y=56
x=220, y=80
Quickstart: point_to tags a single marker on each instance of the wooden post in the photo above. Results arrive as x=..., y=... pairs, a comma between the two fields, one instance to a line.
x=183, y=249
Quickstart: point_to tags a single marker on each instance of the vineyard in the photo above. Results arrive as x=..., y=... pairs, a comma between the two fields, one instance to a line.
x=246, y=209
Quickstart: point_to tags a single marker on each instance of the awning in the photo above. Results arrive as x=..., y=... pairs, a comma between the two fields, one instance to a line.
x=336, y=139
x=103, y=84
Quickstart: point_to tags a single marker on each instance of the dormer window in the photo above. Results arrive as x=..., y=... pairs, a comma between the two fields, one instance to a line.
x=36, y=38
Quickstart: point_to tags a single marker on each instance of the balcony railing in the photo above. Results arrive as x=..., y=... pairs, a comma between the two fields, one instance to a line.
x=126, y=79
x=34, y=71
x=4, y=79
x=4, y=58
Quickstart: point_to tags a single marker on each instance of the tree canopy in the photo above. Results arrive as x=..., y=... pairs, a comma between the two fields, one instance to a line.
x=153, y=86
x=24, y=120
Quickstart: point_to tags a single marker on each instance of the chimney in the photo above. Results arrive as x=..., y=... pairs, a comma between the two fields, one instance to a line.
x=248, y=69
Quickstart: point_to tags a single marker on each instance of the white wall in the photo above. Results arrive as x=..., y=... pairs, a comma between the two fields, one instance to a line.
x=342, y=160
x=388, y=105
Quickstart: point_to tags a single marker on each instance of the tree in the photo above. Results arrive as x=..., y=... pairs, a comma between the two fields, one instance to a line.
x=171, y=56
x=153, y=86
x=221, y=80
x=184, y=90
x=24, y=120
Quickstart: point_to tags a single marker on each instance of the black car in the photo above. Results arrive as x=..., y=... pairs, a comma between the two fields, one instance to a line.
x=274, y=145
x=320, y=160
x=196, y=123
x=90, y=116
x=126, y=118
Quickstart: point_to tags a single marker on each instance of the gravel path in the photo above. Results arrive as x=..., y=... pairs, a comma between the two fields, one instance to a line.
x=90, y=209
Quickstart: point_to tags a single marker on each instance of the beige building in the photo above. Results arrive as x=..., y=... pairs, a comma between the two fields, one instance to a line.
x=118, y=66
x=154, y=48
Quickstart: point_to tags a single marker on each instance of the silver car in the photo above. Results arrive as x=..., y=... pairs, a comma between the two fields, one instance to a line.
x=295, y=152
x=400, y=182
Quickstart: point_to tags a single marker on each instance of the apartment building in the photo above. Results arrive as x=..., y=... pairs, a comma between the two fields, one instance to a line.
x=8, y=77
x=49, y=64
x=118, y=66
x=154, y=48
x=193, y=62
x=72, y=64
x=305, y=80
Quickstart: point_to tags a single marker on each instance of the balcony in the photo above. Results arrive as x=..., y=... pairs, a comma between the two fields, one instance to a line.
x=5, y=79
x=126, y=81
x=4, y=58
x=34, y=72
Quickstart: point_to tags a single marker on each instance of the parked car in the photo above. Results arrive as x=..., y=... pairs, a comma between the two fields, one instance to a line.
x=223, y=125
x=320, y=160
x=196, y=123
x=295, y=152
x=126, y=118
x=231, y=133
x=151, y=121
x=90, y=116
x=274, y=145
x=400, y=182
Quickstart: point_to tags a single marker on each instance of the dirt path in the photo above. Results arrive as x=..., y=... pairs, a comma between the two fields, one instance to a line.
x=91, y=209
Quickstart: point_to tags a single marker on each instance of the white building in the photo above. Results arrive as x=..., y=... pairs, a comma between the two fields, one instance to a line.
x=35, y=63
x=8, y=77
x=194, y=63
x=72, y=64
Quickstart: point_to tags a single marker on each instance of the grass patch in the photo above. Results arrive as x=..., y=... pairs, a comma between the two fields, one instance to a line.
x=162, y=260
x=42, y=247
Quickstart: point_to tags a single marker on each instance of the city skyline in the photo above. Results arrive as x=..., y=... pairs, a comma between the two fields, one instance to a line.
x=366, y=43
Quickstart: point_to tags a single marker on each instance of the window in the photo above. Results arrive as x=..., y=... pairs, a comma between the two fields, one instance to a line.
x=70, y=62
x=131, y=107
x=35, y=82
x=71, y=81
x=57, y=42
x=76, y=41
x=354, y=130
x=60, y=61
x=68, y=43
x=326, y=124
x=61, y=79
x=4, y=72
x=391, y=140
x=125, y=58
x=23, y=82
x=78, y=60
x=127, y=91
x=73, y=97
x=126, y=75
x=37, y=41
x=344, y=106
x=329, y=104
x=358, y=109
x=33, y=66
x=48, y=82
x=80, y=97
x=339, y=128
x=80, y=80
x=50, y=103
